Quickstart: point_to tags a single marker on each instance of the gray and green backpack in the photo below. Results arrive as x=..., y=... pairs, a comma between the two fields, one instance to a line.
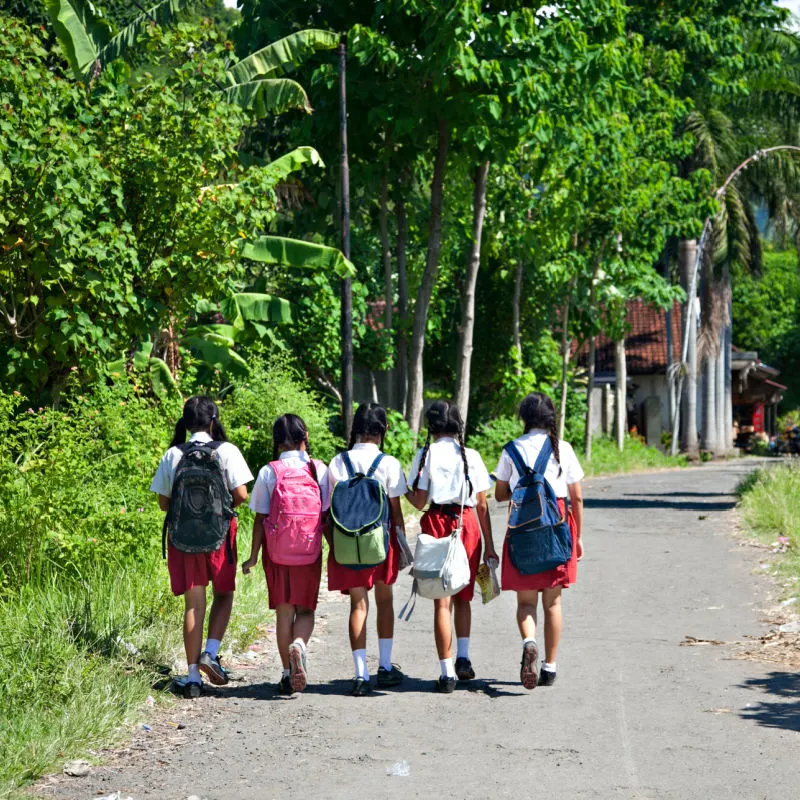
x=201, y=506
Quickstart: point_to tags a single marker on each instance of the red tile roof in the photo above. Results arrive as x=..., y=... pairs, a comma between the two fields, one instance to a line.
x=645, y=343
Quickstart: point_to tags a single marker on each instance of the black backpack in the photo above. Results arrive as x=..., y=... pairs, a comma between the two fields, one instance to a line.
x=201, y=506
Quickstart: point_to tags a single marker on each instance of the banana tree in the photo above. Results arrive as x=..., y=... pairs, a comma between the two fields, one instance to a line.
x=256, y=83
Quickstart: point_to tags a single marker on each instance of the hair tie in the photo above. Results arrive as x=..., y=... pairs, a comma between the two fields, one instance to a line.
x=213, y=417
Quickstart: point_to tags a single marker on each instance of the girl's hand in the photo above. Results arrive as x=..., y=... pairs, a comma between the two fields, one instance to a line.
x=579, y=546
x=490, y=554
x=248, y=565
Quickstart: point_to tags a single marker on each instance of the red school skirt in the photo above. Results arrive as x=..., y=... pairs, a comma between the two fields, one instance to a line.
x=343, y=579
x=292, y=585
x=564, y=575
x=439, y=523
x=187, y=570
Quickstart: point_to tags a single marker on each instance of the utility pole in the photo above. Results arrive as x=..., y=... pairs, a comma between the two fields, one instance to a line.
x=346, y=286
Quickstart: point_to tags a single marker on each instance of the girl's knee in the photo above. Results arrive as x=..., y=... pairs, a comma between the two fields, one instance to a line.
x=302, y=611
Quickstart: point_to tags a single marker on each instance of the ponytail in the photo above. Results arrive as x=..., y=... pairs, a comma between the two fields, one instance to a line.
x=422, y=462
x=199, y=414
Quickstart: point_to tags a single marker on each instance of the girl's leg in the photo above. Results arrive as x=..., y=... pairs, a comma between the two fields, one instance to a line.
x=194, y=616
x=303, y=624
x=384, y=599
x=359, y=609
x=463, y=617
x=526, y=619
x=551, y=601
x=220, y=615
x=284, y=621
x=526, y=613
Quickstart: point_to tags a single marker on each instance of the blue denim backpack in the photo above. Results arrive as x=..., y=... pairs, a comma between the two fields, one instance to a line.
x=539, y=538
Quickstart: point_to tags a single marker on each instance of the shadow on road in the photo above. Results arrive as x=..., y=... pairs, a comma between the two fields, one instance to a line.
x=690, y=505
x=677, y=494
x=784, y=713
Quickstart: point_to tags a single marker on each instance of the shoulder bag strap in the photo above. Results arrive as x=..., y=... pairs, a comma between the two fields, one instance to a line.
x=544, y=456
x=348, y=464
x=516, y=458
x=375, y=464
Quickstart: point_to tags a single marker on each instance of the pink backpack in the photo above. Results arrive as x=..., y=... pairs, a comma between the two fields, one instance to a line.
x=293, y=529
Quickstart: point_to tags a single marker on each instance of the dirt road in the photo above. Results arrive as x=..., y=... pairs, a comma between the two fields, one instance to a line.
x=632, y=715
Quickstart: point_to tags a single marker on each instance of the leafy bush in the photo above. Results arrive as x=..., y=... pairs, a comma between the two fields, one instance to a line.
x=636, y=456
x=490, y=438
x=400, y=440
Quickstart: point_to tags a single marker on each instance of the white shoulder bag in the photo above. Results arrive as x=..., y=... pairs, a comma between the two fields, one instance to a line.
x=441, y=567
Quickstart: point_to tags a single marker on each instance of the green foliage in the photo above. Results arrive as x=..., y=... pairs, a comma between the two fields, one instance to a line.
x=400, y=441
x=490, y=438
x=636, y=457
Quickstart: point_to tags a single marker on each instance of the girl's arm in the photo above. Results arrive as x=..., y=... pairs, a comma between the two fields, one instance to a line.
x=418, y=498
x=485, y=519
x=396, y=513
x=239, y=495
x=576, y=499
x=502, y=491
x=163, y=502
x=255, y=547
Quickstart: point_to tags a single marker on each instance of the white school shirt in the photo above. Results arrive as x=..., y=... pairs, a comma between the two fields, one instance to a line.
x=261, y=499
x=443, y=473
x=529, y=446
x=389, y=471
x=234, y=467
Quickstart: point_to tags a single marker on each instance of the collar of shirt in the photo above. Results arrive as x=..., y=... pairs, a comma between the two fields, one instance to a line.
x=446, y=439
x=365, y=446
x=200, y=436
x=301, y=454
x=533, y=432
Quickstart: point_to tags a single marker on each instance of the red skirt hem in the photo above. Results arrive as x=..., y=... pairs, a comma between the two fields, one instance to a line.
x=292, y=585
x=343, y=579
x=512, y=580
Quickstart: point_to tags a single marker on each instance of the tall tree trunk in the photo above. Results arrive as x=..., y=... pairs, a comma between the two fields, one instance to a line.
x=587, y=435
x=388, y=287
x=565, y=355
x=468, y=298
x=708, y=429
x=721, y=447
x=415, y=367
x=687, y=255
x=346, y=285
x=373, y=385
x=402, y=296
x=516, y=309
x=621, y=370
x=670, y=346
x=728, y=357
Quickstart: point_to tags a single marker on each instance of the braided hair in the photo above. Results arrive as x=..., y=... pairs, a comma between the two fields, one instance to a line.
x=444, y=419
x=369, y=420
x=537, y=411
x=199, y=414
x=289, y=431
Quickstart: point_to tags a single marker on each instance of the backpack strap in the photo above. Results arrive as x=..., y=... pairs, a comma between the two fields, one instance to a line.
x=348, y=464
x=375, y=464
x=516, y=458
x=544, y=456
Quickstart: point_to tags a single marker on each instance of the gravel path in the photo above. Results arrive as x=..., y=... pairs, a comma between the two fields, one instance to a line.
x=633, y=714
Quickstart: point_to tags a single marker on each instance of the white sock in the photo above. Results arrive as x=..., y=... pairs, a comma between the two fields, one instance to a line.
x=547, y=667
x=463, y=647
x=194, y=674
x=212, y=647
x=448, y=670
x=286, y=673
x=528, y=639
x=385, y=653
x=299, y=641
x=360, y=661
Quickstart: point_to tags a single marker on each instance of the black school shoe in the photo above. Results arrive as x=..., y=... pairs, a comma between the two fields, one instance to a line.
x=464, y=671
x=446, y=685
x=389, y=677
x=546, y=678
x=212, y=669
x=192, y=690
x=360, y=687
x=285, y=686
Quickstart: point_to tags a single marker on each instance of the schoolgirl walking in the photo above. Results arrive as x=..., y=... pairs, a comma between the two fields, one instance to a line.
x=531, y=547
x=290, y=499
x=199, y=483
x=366, y=487
x=454, y=480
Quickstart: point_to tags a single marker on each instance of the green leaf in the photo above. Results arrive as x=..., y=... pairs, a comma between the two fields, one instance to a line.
x=164, y=384
x=282, y=167
x=116, y=368
x=81, y=30
x=281, y=55
x=266, y=97
x=217, y=355
x=263, y=307
x=142, y=356
x=297, y=253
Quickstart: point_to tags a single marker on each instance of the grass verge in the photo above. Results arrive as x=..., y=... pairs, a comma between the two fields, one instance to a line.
x=635, y=457
x=768, y=504
x=70, y=684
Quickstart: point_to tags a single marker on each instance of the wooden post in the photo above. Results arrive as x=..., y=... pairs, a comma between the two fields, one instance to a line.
x=346, y=285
